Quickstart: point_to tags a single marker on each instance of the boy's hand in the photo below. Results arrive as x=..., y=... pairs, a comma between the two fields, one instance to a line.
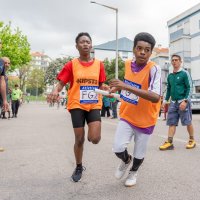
x=52, y=97
x=116, y=84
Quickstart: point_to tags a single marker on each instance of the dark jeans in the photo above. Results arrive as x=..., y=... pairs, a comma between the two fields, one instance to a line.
x=105, y=110
x=114, y=109
x=15, y=107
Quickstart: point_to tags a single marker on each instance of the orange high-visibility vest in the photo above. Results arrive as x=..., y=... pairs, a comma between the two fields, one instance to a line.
x=136, y=110
x=85, y=80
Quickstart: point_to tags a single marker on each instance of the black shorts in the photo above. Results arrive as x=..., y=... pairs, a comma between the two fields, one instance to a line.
x=79, y=117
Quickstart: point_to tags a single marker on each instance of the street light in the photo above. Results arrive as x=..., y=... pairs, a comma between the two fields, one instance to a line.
x=36, y=89
x=116, y=10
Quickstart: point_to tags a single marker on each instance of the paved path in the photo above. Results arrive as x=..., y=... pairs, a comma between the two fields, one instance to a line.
x=38, y=162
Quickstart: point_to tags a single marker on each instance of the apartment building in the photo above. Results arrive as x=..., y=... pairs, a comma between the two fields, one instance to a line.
x=40, y=60
x=184, y=40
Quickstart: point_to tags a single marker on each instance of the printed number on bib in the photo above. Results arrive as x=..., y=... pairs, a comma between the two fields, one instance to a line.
x=87, y=95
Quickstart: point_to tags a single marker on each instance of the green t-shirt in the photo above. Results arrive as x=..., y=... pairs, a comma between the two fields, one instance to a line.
x=16, y=94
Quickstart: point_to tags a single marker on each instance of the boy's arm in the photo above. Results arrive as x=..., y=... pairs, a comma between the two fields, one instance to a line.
x=145, y=94
x=152, y=94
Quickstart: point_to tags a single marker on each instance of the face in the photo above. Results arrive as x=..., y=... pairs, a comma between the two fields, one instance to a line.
x=84, y=45
x=7, y=63
x=142, y=52
x=176, y=62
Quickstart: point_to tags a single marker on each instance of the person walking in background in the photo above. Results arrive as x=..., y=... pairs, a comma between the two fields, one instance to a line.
x=179, y=89
x=105, y=111
x=16, y=97
x=140, y=105
x=114, y=103
x=84, y=75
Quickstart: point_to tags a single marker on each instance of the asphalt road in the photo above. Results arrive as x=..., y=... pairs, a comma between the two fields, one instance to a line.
x=38, y=161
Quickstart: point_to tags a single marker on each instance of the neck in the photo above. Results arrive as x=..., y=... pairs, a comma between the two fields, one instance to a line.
x=140, y=64
x=176, y=69
x=85, y=58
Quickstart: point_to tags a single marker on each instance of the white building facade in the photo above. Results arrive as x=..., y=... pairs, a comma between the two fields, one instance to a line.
x=40, y=60
x=184, y=40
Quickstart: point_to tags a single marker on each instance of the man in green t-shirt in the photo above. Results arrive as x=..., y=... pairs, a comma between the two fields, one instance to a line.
x=16, y=96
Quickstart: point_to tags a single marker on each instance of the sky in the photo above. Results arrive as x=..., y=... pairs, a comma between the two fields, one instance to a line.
x=52, y=25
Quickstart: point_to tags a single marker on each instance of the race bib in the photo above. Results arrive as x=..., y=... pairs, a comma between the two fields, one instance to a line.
x=87, y=94
x=128, y=96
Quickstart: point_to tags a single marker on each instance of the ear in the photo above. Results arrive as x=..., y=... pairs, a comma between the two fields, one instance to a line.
x=134, y=50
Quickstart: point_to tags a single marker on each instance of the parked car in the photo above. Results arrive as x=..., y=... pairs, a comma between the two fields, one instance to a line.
x=195, y=101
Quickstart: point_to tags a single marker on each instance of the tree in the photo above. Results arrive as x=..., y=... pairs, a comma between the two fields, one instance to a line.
x=110, y=69
x=15, y=46
x=35, y=82
x=23, y=73
x=53, y=69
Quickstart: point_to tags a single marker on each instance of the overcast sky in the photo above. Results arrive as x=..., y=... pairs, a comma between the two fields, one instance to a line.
x=52, y=25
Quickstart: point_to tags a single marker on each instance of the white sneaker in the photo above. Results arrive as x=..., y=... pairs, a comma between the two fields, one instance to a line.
x=121, y=169
x=131, y=179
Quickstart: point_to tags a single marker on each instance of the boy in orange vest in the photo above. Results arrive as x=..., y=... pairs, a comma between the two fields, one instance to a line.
x=84, y=75
x=140, y=105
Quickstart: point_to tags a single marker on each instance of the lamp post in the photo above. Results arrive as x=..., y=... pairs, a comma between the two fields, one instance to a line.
x=36, y=90
x=116, y=10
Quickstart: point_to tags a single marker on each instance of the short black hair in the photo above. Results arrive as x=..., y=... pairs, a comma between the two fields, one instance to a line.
x=146, y=37
x=16, y=85
x=176, y=55
x=82, y=34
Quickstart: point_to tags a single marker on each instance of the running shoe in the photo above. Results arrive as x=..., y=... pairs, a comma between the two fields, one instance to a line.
x=121, y=169
x=131, y=179
x=77, y=174
x=191, y=144
x=1, y=149
x=167, y=146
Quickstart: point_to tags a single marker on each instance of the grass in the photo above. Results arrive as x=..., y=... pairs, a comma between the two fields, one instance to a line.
x=34, y=98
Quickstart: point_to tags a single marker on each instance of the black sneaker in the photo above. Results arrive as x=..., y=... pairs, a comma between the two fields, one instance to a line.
x=77, y=174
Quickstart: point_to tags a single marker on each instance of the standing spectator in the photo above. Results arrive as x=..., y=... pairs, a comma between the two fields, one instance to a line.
x=3, y=86
x=179, y=88
x=16, y=97
x=6, y=66
x=105, y=111
x=114, y=103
